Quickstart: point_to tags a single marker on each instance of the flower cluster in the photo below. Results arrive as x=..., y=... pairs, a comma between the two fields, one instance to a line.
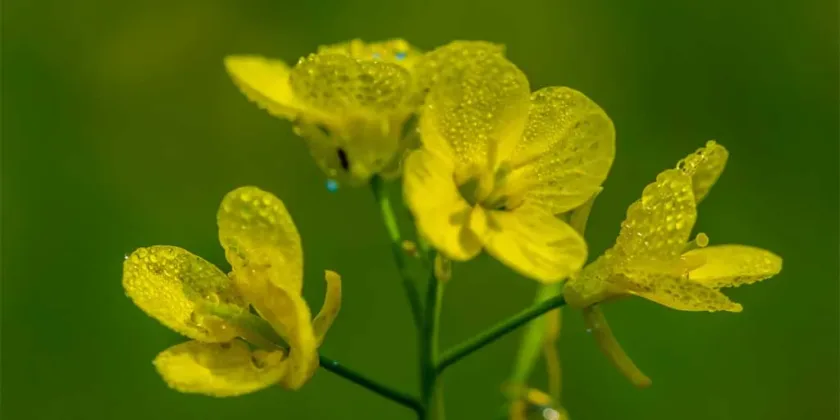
x=486, y=165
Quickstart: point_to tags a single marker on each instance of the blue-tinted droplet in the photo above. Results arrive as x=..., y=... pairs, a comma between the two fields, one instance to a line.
x=400, y=55
x=376, y=55
x=332, y=185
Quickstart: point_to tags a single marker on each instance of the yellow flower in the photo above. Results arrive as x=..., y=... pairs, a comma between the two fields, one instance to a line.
x=498, y=163
x=653, y=257
x=195, y=298
x=350, y=101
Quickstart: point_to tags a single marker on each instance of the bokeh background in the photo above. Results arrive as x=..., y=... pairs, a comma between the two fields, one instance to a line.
x=121, y=129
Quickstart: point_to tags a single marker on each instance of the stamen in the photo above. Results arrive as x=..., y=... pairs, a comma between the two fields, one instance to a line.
x=702, y=240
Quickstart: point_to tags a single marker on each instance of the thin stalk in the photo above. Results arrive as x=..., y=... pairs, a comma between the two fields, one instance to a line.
x=429, y=342
x=375, y=387
x=377, y=185
x=499, y=330
x=597, y=324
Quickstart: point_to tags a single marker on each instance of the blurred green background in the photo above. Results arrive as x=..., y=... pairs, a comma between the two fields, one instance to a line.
x=121, y=129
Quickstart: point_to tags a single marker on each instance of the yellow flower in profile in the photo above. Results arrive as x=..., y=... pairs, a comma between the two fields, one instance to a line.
x=498, y=162
x=351, y=102
x=195, y=298
x=653, y=257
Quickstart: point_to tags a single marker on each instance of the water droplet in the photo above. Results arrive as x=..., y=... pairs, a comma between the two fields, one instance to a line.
x=400, y=55
x=332, y=185
x=550, y=414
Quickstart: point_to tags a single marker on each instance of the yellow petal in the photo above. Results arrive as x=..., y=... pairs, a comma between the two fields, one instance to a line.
x=219, y=369
x=265, y=82
x=733, y=265
x=289, y=315
x=396, y=51
x=453, y=55
x=658, y=225
x=476, y=113
x=363, y=106
x=259, y=236
x=666, y=286
x=535, y=243
x=332, y=304
x=566, y=151
x=172, y=285
x=592, y=285
x=263, y=246
x=441, y=214
x=704, y=166
x=339, y=85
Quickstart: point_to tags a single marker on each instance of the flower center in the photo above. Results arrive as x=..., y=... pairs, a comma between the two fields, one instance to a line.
x=479, y=191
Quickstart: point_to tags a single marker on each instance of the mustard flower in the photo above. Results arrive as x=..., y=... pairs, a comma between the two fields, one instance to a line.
x=498, y=162
x=653, y=257
x=195, y=298
x=351, y=102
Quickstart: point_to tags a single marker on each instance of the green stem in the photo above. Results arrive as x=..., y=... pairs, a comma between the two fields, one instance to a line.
x=390, y=220
x=429, y=342
x=375, y=387
x=494, y=333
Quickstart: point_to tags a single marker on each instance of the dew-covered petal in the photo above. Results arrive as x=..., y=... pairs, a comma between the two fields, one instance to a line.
x=441, y=214
x=339, y=85
x=658, y=225
x=566, y=151
x=259, y=237
x=176, y=287
x=733, y=265
x=536, y=244
x=704, y=166
x=332, y=304
x=456, y=54
x=397, y=51
x=592, y=284
x=669, y=285
x=290, y=317
x=219, y=369
x=476, y=113
x=265, y=82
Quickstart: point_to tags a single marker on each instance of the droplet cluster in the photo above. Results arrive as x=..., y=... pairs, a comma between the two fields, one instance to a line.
x=258, y=234
x=473, y=105
x=340, y=84
x=566, y=151
x=704, y=166
x=173, y=286
x=659, y=224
